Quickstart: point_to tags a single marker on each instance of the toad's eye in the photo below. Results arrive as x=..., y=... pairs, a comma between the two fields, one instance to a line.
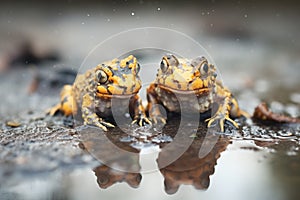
x=138, y=68
x=101, y=76
x=164, y=65
x=103, y=180
x=203, y=68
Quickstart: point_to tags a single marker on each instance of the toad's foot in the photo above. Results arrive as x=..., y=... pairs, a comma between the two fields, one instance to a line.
x=220, y=120
x=53, y=110
x=159, y=122
x=99, y=122
x=66, y=103
x=141, y=120
x=158, y=119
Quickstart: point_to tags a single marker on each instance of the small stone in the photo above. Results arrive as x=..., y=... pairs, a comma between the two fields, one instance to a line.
x=13, y=124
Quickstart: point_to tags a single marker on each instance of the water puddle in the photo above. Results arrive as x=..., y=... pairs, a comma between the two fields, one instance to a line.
x=256, y=162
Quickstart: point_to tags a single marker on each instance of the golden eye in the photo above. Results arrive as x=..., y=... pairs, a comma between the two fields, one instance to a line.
x=203, y=68
x=101, y=76
x=164, y=65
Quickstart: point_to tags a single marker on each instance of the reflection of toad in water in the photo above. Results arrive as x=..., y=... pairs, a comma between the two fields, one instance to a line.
x=121, y=161
x=107, y=176
x=189, y=169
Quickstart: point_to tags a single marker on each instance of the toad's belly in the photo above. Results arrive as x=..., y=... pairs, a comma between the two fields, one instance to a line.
x=186, y=102
x=107, y=108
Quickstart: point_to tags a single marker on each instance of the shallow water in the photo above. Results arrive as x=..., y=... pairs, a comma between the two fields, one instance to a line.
x=238, y=174
x=164, y=165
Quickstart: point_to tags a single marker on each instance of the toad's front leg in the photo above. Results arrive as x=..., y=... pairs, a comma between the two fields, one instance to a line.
x=137, y=111
x=224, y=102
x=153, y=106
x=89, y=115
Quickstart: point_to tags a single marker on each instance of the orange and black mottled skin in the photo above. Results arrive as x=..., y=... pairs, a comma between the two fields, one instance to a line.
x=110, y=85
x=191, y=85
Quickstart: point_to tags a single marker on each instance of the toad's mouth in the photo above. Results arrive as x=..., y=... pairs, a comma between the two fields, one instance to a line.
x=199, y=91
x=117, y=91
x=118, y=96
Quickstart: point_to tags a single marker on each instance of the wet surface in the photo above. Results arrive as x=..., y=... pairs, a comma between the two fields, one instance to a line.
x=69, y=161
x=42, y=157
x=178, y=162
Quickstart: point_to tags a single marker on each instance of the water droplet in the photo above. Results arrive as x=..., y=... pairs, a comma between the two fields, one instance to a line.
x=158, y=8
x=245, y=15
x=88, y=15
x=132, y=14
x=82, y=23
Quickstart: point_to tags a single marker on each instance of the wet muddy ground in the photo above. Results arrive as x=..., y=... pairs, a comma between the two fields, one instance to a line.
x=41, y=157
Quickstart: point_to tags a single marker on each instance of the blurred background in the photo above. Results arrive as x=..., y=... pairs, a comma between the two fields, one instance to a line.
x=254, y=44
